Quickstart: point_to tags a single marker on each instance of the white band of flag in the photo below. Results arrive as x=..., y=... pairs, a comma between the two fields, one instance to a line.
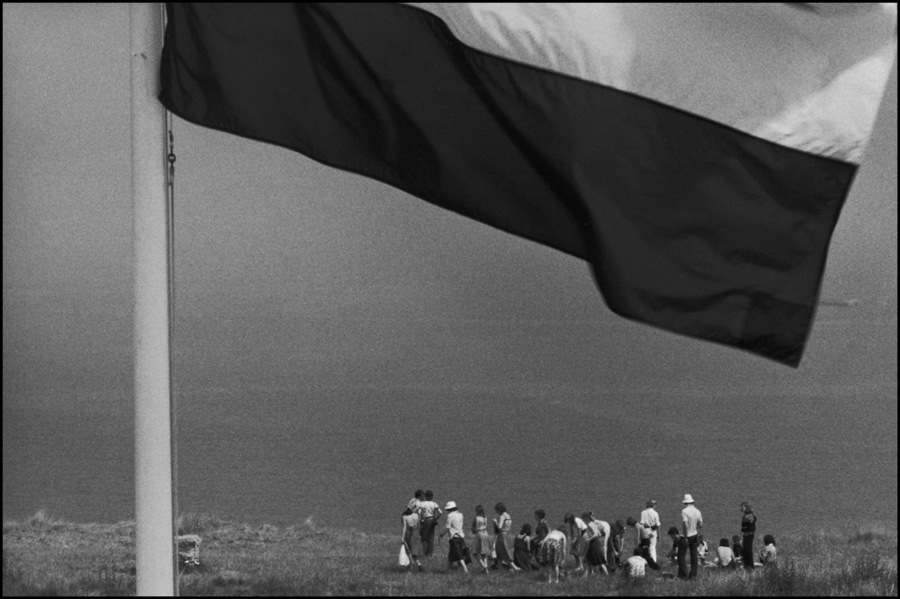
x=805, y=76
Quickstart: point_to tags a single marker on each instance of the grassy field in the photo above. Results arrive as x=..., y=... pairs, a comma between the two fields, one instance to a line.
x=45, y=556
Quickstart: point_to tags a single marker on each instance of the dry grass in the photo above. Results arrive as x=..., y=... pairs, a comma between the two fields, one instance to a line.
x=47, y=556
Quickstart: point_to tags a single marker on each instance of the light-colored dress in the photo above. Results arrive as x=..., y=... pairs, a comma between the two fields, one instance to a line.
x=411, y=535
x=481, y=541
x=504, y=526
x=552, y=551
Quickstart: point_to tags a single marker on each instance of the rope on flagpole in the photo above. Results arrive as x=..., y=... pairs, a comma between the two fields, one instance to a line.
x=170, y=219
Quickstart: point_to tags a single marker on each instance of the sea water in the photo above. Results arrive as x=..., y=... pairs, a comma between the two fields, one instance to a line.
x=272, y=431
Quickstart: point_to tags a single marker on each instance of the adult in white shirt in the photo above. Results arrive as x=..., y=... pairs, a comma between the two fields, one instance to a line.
x=650, y=519
x=691, y=523
x=456, y=552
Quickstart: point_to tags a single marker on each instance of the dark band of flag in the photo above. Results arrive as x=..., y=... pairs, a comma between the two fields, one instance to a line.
x=689, y=225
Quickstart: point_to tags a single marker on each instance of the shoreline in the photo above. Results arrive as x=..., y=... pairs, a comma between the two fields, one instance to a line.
x=42, y=555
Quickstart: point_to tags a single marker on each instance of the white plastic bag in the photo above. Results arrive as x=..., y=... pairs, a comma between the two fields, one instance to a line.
x=403, y=560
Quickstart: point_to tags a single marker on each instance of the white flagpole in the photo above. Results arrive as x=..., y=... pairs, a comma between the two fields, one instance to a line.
x=154, y=536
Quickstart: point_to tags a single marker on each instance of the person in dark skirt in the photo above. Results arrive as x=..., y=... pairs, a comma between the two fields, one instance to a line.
x=522, y=549
x=456, y=553
x=503, y=527
x=595, y=537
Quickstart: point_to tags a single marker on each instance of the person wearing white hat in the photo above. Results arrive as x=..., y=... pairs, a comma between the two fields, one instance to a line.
x=456, y=552
x=691, y=523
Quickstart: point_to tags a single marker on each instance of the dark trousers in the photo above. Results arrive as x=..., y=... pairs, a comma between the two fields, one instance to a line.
x=682, y=560
x=692, y=543
x=428, y=536
x=645, y=553
x=747, y=552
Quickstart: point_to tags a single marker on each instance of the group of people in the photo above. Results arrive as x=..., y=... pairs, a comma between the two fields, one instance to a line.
x=596, y=545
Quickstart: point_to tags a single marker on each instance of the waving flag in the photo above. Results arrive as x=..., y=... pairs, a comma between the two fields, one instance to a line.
x=697, y=156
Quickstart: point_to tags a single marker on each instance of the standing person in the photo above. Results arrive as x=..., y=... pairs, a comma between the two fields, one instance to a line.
x=596, y=538
x=481, y=542
x=412, y=538
x=522, y=548
x=456, y=553
x=576, y=532
x=650, y=518
x=748, y=531
x=429, y=512
x=679, y=550
x=552, y=552
x=768, y=555
x=691, y=523
x=642, y=534
x=503, y=526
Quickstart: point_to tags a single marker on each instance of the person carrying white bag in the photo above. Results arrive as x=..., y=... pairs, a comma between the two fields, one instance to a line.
x=411, y=548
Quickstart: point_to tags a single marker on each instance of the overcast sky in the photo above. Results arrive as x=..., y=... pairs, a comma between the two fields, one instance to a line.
x=264, y=235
